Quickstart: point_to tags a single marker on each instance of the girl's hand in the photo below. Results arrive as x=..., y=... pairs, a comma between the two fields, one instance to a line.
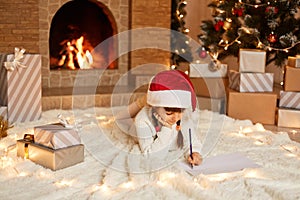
x=197, y=158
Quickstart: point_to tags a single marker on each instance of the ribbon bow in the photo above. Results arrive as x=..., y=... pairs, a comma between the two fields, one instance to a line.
x=64, y=121
x=16, y=62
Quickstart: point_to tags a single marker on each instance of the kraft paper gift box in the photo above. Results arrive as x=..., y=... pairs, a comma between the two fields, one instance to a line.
x=215, y=105
x=251, y=82
x=289, y=118
x=292, y=79
x=210, y=87
x=50, y=158
x=3, y=112
x=289, y=100
x=202, y=70
x=252, y=60
x=294, y=61
x=56, y=136
x=21, y=87
x=257, y=107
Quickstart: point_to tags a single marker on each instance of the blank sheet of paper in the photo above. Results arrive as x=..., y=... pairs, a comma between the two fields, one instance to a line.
x=220, y=164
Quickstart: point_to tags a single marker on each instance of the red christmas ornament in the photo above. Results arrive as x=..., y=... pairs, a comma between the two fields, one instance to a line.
x=272, y=38
x=202, y=53
x=219, y=25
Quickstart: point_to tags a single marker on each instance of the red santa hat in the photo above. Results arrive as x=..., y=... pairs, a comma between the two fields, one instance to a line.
x=171, y=88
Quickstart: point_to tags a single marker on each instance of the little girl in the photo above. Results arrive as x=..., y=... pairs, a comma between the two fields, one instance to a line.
x=163, y=125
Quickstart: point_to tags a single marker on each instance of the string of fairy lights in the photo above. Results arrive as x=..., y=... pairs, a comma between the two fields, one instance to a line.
x=180, y=15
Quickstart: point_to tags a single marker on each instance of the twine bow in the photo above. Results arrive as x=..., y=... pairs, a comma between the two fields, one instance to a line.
x=28, y=138
x=16, y=62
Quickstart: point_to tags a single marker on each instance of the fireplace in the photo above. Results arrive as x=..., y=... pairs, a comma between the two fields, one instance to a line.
x=81, y=37
x=39, y=21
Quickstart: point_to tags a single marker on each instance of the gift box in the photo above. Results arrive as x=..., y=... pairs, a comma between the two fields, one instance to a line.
x=251, y=82
x=252, y=60
x=215, y=105
x=257, y=107
x=3, y=112
x=289, y=118
x=202, y=70
x=50, y=158
x=294, y=61
x=291, y=79
x=21, y=87
x=210, y=87
x=289, y=100
x=56, y=136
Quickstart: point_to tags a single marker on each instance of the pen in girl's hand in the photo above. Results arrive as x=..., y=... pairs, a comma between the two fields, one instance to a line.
x=191, y=146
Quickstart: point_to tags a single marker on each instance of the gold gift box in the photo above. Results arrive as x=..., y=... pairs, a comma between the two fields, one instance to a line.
x=257, y=107
x=215, y=105
x=294, y=61
x=210, y=87
x=50, y=158
x=291, y=79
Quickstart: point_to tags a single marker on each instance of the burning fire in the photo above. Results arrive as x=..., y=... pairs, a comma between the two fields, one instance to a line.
x=73, y=55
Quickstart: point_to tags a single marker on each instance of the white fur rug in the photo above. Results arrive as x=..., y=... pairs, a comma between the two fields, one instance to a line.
x=106, y=170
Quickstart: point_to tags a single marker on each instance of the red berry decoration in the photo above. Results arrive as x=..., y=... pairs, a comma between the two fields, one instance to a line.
x=271, y=10
x=238, y=11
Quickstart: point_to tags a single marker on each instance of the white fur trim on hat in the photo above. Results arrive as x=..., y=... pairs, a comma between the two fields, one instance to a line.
x=169, y=98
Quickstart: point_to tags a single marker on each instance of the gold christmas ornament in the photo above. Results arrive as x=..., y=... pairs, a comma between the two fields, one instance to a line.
x=227, y=24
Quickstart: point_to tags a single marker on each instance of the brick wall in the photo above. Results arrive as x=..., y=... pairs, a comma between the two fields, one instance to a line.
x=19, y=25
x=156, y=13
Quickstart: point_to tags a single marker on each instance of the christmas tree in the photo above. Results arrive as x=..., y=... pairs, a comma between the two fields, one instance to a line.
x=181, y=51
x=255, y=24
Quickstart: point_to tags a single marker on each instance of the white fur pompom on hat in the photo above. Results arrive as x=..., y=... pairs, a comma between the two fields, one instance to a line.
x=171, y=88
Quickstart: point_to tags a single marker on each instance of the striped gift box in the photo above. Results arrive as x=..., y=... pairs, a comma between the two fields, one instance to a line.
x=251, y=82
x=21, y=91
x=3, y=112
x=289, y=100
x=56, y=136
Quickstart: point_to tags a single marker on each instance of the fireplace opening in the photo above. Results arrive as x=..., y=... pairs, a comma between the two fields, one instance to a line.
x=77, y=34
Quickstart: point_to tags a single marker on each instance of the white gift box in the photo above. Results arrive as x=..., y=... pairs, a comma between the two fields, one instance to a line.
x=202, y=70
x=251, y=82
x=252, y=60
x=289, y=99
x=289, y=118
x=56, y=136
x=294, y=61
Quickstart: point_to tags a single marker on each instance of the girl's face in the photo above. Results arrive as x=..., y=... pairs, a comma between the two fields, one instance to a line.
x=171, y=116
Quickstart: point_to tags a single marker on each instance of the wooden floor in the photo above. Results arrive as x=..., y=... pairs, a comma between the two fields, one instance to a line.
x=294, y=133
